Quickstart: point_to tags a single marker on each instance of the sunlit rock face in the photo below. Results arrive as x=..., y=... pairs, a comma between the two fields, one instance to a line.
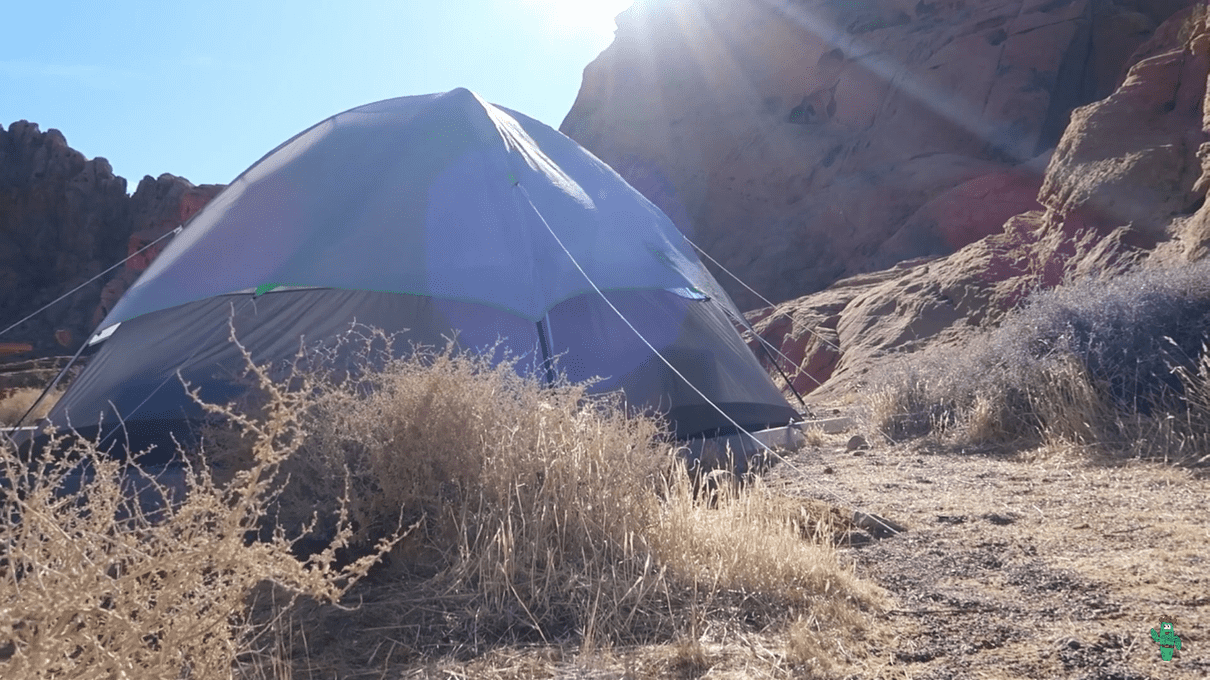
x=1128, y=179
x=1132, y=158
x=800, y=142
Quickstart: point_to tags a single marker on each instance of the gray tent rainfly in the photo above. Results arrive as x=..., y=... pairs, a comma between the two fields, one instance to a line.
x=430, y=214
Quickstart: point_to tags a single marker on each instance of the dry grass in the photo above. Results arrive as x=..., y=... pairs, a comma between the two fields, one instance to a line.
x=92, y=585
x=14, y=404
x=532, y=516
x=815, y=436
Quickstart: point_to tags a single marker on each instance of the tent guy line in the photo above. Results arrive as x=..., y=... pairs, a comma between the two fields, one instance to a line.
x=773, y=454
x=764, y=299
x=69, y=293
x=629, y=325
x=763, y=342
x=16, y=426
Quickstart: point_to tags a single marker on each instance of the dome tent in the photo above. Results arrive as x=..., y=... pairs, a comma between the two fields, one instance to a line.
x=425, y=216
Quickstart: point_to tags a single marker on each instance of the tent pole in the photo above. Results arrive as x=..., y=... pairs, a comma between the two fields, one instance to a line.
x=51, y=386
x=761, y=341
x=783, y=373
x=550, y=370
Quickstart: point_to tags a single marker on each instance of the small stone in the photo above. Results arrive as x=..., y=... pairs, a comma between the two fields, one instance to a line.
x=879, y=527
x=857, y=443
x=853, y=539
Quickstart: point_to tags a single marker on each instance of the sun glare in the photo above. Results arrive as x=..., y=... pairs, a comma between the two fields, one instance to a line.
x=593, y=16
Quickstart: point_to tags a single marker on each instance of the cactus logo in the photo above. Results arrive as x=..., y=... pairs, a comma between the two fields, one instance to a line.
x=1167, y=639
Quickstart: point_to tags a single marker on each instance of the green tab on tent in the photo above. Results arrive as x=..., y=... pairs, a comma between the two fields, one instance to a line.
x=264, y=288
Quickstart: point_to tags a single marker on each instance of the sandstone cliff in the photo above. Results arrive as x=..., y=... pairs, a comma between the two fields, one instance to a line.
x=800, y=142
x=1128, y=181
x=63, y=220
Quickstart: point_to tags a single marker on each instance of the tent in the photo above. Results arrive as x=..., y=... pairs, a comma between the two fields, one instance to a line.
x=423, y=216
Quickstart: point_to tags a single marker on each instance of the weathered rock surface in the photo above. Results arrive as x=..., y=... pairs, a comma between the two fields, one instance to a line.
x=159, y=206
x=970, y=211
x=1130, y=171
x=1131, y=158
x=805, y=141
x=65, y=219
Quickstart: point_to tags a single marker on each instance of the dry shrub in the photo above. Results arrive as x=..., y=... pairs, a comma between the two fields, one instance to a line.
x=900, y=403
x=539, y=514
x=1117, y=364
x=815, y=436
x=528, y=495
x=1188, y=431
x=542, y=514
x=94, y=584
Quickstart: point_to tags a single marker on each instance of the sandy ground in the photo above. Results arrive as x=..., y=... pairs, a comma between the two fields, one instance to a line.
x=1029, y=564
x=1034, y=564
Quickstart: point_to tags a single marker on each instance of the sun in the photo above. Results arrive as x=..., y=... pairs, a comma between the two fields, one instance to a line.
x=578, y=16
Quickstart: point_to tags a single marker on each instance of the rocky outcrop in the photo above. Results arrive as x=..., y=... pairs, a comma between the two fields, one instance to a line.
x=800, y=142
x=63, y=220
x=159, y=206
x=1129, y=178
x=1132, y=158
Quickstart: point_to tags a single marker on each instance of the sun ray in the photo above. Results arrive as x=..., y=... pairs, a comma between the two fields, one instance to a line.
x=594, y=17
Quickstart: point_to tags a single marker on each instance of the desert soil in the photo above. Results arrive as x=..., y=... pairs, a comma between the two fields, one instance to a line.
x=1013, y=564
x=1026, y=564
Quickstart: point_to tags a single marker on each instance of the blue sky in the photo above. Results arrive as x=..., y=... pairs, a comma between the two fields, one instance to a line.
x=204, y=89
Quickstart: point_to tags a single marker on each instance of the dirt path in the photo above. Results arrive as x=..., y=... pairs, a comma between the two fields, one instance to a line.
x=1023, y=566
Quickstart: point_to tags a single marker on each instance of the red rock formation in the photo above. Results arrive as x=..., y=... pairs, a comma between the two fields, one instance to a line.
x=65, y=219
x=162, y=204
x=1131, y=158
x=970, y=211
x=805, y=141
x=1130, y=171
